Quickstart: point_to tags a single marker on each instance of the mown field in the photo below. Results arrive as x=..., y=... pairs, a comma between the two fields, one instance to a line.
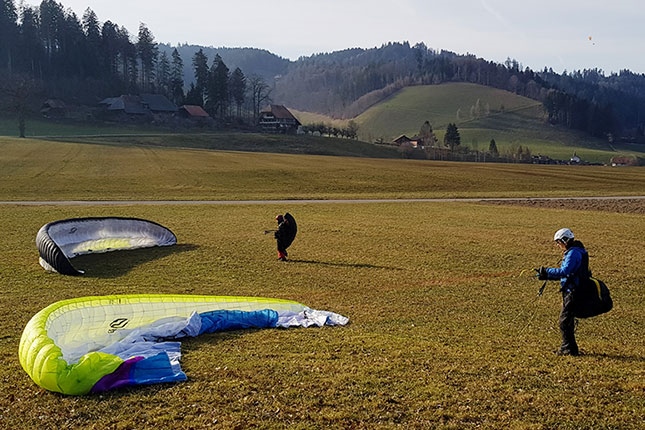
x=148, y=170
x=446, y=327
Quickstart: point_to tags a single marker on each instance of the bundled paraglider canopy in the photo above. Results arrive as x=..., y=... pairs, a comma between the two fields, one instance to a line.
x=287, y=233
x=593, y=298
x=59, y=241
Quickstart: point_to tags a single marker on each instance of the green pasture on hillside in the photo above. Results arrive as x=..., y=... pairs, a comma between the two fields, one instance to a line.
x=481, y=114
x=39, y=126
x=511, y=120
x=408, y=109
x=446, y=329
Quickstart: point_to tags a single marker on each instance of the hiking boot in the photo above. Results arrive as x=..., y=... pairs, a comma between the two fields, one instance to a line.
x=282, y=258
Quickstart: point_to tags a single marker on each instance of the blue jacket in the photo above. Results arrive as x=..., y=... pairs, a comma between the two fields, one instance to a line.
x=569, y=272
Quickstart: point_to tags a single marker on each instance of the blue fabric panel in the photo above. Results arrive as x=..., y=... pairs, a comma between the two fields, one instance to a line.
x=155, y=369
x=223, y=320
x=140, y=370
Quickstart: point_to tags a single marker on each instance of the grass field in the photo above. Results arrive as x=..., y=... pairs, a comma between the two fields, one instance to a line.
x=42, y=170
x=446, y=328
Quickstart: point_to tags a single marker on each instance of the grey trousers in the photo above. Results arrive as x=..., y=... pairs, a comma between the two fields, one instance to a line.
x=567, y=324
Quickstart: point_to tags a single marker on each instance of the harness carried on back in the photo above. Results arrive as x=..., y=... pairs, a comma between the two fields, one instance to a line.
x=591, y=295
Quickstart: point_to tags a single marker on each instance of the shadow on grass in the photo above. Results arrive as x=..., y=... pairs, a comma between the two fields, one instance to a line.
x=118, y=263
x=356, y=265
x=616, y=357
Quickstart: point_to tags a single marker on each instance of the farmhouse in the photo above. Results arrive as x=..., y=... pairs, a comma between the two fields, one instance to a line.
x=278, y=119
x=195, y=115
x=143, y=106
x=53, y=108
x=192, y=111
x=405, y=142
x=624, y=161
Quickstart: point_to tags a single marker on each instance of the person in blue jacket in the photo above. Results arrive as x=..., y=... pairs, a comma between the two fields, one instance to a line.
x=573, y=274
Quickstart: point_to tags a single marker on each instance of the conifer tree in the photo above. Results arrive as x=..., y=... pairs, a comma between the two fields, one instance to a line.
x=200, y=67
x=492, y=148
x=8, y=34
x=92, y=52
x=163, y=75
x=147, y=52
x=177, y=78
x=452, y=138
x=218, y=92
x=237, y=86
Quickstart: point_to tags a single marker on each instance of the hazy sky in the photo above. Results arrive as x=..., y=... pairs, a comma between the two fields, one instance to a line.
x=551, y=33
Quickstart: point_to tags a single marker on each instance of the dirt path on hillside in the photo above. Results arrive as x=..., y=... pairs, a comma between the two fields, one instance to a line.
x=623, y=205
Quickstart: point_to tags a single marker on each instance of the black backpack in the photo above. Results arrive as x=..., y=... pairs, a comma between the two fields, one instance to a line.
x=592, y=296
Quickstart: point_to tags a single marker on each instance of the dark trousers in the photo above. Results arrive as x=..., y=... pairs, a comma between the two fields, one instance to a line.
x=282, y=250
x=567, y=324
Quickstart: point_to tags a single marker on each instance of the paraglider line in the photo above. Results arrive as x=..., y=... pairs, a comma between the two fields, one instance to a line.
x=535, y=308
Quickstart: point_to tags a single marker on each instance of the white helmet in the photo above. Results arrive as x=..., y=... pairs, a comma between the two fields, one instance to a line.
x=564, y=235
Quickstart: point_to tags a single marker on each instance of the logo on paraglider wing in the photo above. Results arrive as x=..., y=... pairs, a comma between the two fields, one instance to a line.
x=118, y=324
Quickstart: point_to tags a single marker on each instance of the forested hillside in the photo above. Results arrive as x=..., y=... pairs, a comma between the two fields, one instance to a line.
x=251, y=61
x=344, y=84
x=47, y=51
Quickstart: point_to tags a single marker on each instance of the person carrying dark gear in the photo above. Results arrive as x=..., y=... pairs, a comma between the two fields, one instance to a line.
x=285, y=234
x=574, y=275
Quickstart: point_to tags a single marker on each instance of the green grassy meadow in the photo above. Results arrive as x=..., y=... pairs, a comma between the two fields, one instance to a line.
x=409, y=108
x=446, y=327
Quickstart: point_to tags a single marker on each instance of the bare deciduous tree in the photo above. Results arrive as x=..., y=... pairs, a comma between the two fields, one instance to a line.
x=18, y=90
x=260, y=94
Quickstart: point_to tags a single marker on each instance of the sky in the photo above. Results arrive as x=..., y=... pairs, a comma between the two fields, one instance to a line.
x=564, y=35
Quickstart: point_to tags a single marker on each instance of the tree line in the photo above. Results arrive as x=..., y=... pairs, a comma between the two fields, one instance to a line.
x=83, y=59
x=54, y=46
x=429, y=147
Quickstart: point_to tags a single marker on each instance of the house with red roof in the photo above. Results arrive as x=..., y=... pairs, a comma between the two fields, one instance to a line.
x=278, y=119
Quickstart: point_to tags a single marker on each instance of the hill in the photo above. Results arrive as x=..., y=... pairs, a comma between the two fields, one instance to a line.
x=344, y=84
x=459, y=103
x=481, y=114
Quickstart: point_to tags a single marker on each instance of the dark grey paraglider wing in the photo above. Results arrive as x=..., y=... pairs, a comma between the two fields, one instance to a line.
x=59, y=241
x=291, y=229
